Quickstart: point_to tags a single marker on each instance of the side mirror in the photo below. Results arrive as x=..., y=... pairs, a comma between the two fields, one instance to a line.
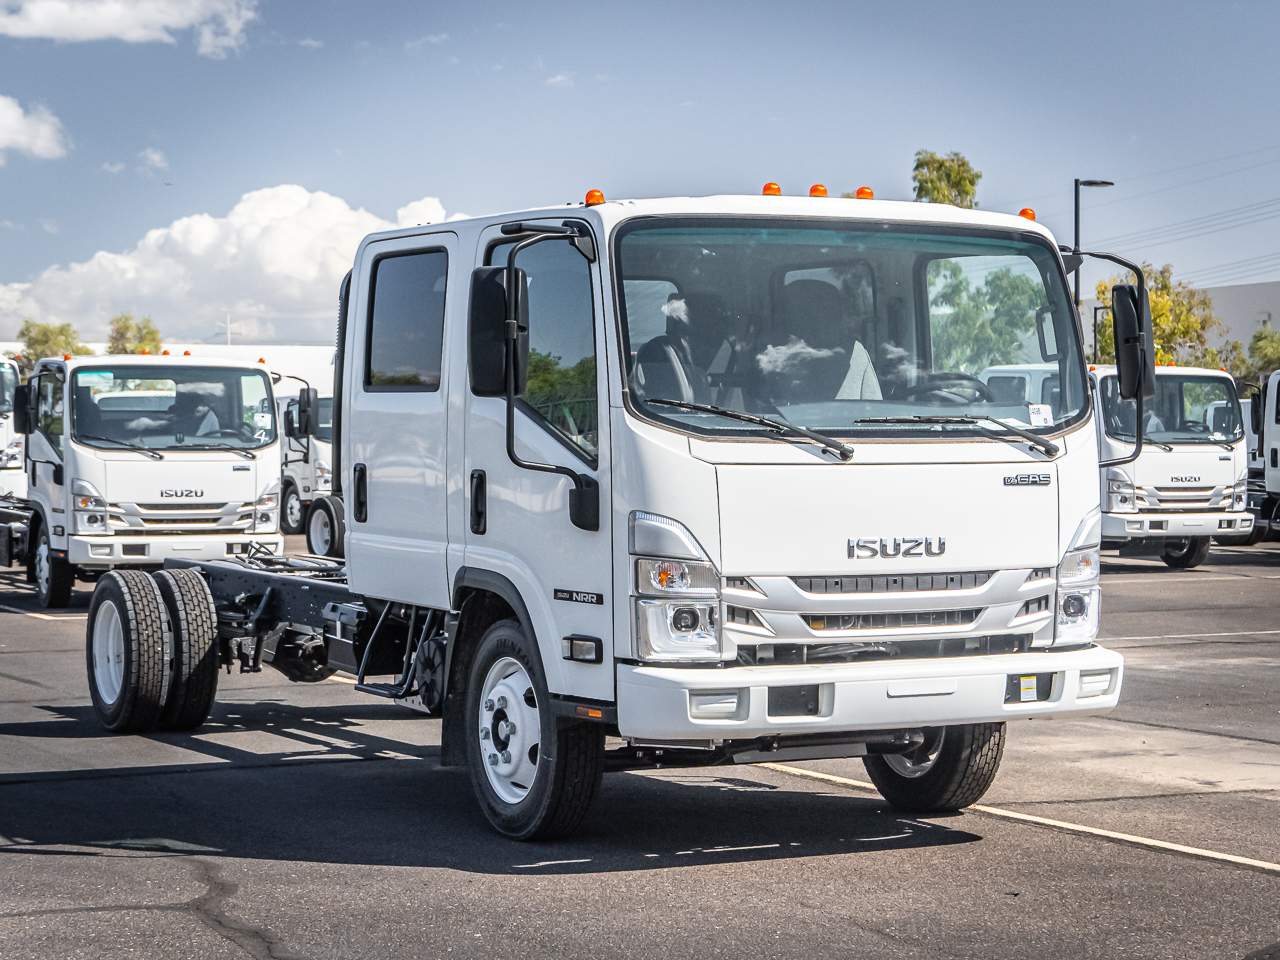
x=307, y=405
x=290, y=425
x=1255, y=414
x=1135, y=358
x=22, y=408
x=490, y=309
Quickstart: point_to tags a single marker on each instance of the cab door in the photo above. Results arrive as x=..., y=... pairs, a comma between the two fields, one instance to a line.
x=517, y=520
x=45, y=476
x=395, y=421
x=1271, y=432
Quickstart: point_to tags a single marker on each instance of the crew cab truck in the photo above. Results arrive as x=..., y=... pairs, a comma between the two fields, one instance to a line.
x=134, y=460
x=13, y=478
x=1190, y=482
x=711, y=476
x=306, y=473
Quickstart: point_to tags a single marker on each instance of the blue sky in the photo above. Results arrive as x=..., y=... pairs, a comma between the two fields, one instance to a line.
x=502, y=105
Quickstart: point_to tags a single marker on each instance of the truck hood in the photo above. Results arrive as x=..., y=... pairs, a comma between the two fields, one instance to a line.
x=222, y=478
x=800, y=520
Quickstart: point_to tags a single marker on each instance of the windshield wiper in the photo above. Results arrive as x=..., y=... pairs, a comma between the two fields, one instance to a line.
x=1156, y=443
x=1048, y=448
x=841, y=450
x=214, y=445
x=129, y=444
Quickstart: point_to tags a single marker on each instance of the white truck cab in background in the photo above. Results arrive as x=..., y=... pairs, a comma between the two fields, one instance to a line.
x=306, y=463
x=13, y=475
x=1189, y=484
x=1264, y=494
x=716, y=477
x=133, y=460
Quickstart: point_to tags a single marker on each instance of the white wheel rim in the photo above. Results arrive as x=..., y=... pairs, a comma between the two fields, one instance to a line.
x=42, y=566
x=509, y=730
x=293, y=509
x=919, y=761
x=320, y=531
x=108, y=652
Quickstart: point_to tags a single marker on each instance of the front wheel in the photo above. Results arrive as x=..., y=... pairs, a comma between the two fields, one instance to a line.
x=1185, y=554
x=534, y=774
x=54, y=576
x=950, y=770
x=292, y=510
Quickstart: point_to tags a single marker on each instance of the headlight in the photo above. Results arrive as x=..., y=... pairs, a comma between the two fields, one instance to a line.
x=89, y=508
x=11, y=455
x=264, y=510
x=1079, y=597
x=1240, y=493
x=1121, y=496
x=676, y=600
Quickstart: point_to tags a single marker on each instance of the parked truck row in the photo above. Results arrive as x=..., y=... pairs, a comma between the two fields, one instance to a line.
x=672, y=482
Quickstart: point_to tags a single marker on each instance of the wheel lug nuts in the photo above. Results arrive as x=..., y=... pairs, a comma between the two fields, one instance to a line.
x=488, y=706
x=506, y=756
x=484, y=734
x=511, y=729
x=502, y=703
x=493, y=759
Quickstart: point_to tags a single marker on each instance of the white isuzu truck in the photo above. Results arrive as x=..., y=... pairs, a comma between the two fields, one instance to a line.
x=1190, y=483
x=306, y=471
x=681, y=481
x=135, y=460
x=13, y=476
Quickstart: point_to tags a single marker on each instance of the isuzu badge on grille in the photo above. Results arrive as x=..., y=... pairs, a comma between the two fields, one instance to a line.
x=867, y=548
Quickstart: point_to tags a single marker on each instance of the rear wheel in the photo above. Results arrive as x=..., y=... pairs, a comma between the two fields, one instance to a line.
x=1186, y=553
x=194, y=681
x=534, y=774
x=951, y=769
x=292, y=510
x=54, y=576
x=326, y=529
x=127, y=651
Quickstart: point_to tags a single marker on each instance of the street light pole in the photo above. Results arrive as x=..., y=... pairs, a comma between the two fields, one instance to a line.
x=1075, y=247
x=1096, y=310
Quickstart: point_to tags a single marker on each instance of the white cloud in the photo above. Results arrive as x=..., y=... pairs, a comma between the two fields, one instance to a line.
x=112, y=167
x=35, y=132
x=273, y=262
x=434, y=39
x=218, y=25
x=153, y=159
x=311, y=43
x=49, y=226
x=560, y=80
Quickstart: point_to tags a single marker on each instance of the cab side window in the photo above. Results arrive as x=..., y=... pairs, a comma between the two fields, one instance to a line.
x=49, y=419
x=561, y=392
x=406, y=321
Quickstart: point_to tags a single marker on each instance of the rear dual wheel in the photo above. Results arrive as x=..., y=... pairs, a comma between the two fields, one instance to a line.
x=150, y=650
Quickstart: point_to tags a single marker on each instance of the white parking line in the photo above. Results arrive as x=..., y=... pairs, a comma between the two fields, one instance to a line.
x=44, y=616
x=1196, y=636
x=1127, y=838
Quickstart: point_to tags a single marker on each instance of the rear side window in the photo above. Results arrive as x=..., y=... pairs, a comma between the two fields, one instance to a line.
x=1008, y=389
x=406, y=321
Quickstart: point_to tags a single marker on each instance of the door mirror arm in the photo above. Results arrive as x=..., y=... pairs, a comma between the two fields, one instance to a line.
x=584, y=498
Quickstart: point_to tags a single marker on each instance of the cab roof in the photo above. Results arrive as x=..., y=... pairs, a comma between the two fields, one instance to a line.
x=146, y=360
x=1109, y=370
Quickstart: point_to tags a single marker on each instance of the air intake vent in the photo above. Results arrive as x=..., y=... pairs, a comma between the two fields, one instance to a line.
x=894, y=583
x=891, y=621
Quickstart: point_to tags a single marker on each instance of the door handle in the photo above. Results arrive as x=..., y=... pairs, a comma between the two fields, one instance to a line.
x=360, y=475
x=1275, y=456
x=479, y=502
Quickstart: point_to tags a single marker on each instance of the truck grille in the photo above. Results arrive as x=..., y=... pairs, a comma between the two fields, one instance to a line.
x=771, y=654
x=1184, y=499
x=171, y=519
x=894, y=583
x=890, y=621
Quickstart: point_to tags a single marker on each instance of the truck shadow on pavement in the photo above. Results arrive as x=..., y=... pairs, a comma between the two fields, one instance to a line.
x=346, y=796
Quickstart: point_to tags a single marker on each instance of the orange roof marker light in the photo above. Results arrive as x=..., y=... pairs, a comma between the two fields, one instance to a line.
x=262, y=359
x=145, y=352
x=818, y=190
x=186, y=353
x=164, y=353
x=771, y=189
x=66, y=356
x=1027, y=213
x=594, y=198
x=864, y=193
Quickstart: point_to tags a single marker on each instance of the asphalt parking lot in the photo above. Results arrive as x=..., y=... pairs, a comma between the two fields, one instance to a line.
x=311, y=821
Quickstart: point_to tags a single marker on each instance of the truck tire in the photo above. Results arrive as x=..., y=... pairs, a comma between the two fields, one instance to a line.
x=293, y=512
x=326, y=528
x=194, y=680
x=534, y=774
x=1185, y=554
x=54, y=577
x=952, y=769
x=1242, y=540
x=127, y=651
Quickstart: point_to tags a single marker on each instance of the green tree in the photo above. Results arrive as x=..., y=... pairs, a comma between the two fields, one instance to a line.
x=1182, y=322
x=48, y=340
x=1264, y=352
x=133, y=336
x=945, y=179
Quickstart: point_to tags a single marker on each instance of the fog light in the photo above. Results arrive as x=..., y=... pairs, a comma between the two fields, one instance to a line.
x=1074, y=605
x=714, y=705
x=684, y=619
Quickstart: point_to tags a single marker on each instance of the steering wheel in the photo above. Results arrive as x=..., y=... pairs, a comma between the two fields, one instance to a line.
x=943, y=385
x=241, y=432
x=1194, y=426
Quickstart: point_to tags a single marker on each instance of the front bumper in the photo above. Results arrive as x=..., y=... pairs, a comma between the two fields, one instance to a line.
x=1141, y=526
x=117, y=551
x=657, y=703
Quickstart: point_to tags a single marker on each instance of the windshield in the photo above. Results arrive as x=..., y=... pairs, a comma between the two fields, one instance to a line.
x=324, y=419
x=1185, y=409
x=172, y=407
x=825, y=324
x=8, y=383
